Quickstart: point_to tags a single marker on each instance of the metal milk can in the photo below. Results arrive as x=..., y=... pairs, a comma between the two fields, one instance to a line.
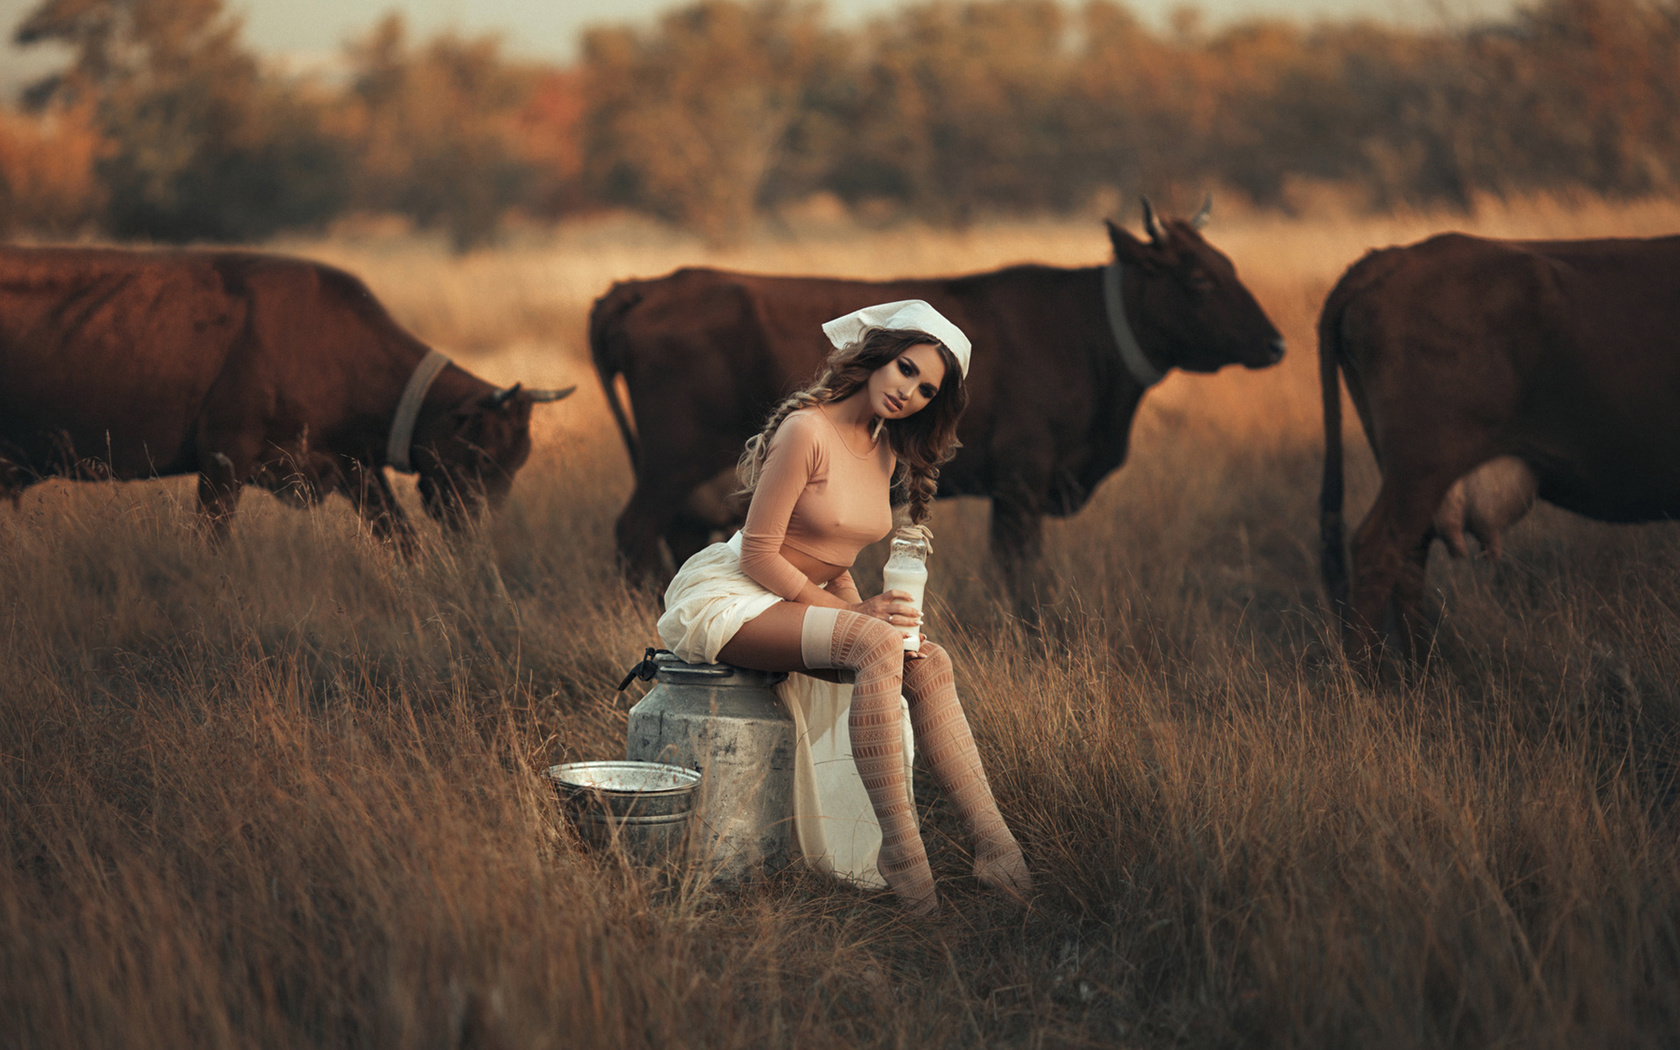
x=727, y=723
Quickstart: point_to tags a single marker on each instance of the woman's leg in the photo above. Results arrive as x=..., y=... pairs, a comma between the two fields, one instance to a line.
x=874, y=652
x=943, y=735
x=768, y=641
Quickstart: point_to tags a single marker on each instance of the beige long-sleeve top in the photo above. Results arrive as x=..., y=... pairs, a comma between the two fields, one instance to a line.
x=816, y=495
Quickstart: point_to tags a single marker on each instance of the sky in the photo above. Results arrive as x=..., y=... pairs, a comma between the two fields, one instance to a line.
x=309, y=33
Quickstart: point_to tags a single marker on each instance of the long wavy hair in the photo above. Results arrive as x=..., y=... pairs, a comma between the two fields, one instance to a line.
x=921, y=441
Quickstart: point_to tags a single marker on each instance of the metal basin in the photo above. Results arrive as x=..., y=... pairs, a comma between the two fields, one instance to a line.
x=641, y=807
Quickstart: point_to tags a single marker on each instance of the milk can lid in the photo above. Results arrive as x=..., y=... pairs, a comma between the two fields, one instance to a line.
x=672, y=669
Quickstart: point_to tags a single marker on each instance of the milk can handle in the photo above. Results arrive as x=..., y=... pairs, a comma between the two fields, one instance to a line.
x=649, y=667
x=644, y=670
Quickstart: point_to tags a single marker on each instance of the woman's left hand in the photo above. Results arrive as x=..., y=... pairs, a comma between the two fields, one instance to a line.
x=892, y=607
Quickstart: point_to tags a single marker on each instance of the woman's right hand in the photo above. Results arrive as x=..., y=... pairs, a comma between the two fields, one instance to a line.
x=894, y=607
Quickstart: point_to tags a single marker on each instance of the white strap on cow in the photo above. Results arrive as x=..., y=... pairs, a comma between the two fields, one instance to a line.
x=1131, y=354
x=408, y=410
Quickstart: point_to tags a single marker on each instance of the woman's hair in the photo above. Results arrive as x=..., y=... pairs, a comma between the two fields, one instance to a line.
x=921, y=441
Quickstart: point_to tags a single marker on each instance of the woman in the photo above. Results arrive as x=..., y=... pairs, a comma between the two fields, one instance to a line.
x=779, y=597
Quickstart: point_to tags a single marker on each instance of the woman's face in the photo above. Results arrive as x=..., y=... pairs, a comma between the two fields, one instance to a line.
x=903, y=386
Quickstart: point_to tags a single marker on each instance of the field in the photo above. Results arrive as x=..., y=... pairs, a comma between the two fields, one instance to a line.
x=284, y=793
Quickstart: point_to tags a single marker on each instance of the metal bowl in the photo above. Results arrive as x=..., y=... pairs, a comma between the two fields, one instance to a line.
x=642, y=807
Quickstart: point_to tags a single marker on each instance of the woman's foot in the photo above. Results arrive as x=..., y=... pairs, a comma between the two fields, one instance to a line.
x=910, y=878
x=921, y=907
x=1000, y=868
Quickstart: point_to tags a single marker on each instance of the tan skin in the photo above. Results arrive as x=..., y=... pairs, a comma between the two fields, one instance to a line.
x=770, y=641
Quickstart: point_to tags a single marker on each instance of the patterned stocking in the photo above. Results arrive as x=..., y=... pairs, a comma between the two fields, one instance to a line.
x=943, y=736
x=875, y=652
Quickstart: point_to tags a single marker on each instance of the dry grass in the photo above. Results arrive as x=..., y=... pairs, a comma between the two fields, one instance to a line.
x=283, y=793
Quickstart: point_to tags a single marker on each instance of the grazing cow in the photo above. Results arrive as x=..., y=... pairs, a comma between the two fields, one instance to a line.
x=241, y=368
x=1487, y=373
x=1061, y=359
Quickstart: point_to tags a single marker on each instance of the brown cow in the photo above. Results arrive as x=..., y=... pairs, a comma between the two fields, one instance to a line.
x=241, y=368
x=1485, y=373
x=1062, y=358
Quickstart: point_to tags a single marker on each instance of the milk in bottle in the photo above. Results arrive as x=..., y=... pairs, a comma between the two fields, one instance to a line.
x=906, y=570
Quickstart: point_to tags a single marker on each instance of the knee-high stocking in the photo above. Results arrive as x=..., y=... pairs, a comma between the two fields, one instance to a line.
x=874, y=651
x=946, y=743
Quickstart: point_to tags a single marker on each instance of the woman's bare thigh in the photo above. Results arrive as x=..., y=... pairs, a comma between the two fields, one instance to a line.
x=769, y=641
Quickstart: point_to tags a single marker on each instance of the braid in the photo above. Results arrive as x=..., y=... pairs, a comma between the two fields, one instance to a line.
x=919, y=487
x=758, y=446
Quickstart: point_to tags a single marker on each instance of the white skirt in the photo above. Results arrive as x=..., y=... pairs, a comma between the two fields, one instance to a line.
x=706, y=603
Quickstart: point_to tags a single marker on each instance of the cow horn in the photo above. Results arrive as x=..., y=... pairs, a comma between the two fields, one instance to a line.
x=501, y=397
x=550, y=395
x=1150, y=226
x=1200, y=219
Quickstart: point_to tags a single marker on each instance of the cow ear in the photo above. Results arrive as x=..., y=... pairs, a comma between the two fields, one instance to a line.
x=1127, y=249
x=1121, y=238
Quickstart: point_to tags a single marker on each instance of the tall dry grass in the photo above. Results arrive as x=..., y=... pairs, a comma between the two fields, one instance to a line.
x=284, y=793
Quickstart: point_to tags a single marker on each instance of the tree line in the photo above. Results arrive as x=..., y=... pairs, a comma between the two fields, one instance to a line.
x=164, y=125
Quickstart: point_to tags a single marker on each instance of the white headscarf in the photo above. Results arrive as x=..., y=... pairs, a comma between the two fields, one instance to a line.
x=910, y=315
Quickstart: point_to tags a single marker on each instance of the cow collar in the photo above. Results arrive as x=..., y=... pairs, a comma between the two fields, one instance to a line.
x=1131, y=354
x=408, y=410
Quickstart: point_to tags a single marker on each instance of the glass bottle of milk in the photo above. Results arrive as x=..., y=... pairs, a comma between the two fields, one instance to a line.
x=906, y=570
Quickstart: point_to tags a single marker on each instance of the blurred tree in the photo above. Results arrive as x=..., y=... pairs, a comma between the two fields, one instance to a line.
x=202, y=145
x=1578, y=93
x=947, y=109
x=1138, y=112
x=690, y=120
x=550, y=131
x=1345, y=104
x=47, y=180
x=964, y=109
x=455, y=135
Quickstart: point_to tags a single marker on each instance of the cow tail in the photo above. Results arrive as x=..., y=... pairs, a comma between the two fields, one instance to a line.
x=605, y=342
x=1332, y=543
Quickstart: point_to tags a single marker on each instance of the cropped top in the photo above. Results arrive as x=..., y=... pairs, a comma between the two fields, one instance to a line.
x=816, y=495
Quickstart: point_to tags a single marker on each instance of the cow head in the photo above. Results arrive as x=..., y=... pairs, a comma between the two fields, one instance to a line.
x=1193, y=312
x=467, y=457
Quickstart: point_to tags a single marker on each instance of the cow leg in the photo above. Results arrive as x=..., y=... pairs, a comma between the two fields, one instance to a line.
x=1017, y=525
x=1387, y=546
x=371, y=494
x=687, y=536
x=219, y=485
x=710, y=507
x=1408, y=598
x=637, y=534
x=653, y=514
x=13, y=480
x=229, y=437
x=1017, y=542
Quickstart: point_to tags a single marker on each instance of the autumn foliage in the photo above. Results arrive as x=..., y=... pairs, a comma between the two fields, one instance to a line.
x=164, y=125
